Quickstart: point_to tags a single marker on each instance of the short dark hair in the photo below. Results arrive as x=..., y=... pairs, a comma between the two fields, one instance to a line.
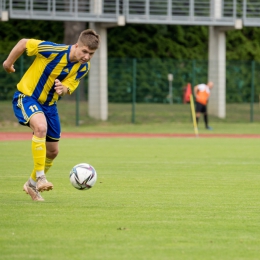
x=90, y=39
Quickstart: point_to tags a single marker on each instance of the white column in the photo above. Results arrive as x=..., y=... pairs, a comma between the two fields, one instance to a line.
x=217, y=8
x=97, y=87
x=217, y=64
x=96, y=6
x=217, y=72
x=217, y=60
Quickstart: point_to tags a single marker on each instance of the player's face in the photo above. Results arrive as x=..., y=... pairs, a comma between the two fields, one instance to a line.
x=83, y=53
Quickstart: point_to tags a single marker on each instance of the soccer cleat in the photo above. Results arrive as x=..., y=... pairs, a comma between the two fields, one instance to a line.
x=32, y=191
x=209, y=128
x=42, y=184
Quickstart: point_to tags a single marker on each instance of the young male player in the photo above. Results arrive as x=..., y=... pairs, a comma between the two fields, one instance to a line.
x=56, y=71
x=202, y=93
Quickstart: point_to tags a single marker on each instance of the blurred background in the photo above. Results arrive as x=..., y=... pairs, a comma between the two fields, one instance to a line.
x=154, y=51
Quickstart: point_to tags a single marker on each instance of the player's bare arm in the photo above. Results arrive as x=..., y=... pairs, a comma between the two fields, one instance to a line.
x=60, y=89
x=15, y=53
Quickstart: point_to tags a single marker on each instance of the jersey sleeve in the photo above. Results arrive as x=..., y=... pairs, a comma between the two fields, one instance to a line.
x=71, y=84
x=32, y=47
x=73, y=80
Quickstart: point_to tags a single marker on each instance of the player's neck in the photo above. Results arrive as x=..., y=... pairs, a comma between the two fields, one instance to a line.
x=72, y=56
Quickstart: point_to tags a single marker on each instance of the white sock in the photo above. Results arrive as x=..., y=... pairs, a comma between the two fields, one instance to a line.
x=39, y=173
x=32, y=182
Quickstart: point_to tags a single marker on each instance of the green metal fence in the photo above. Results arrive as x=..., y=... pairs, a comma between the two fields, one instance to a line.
x=145, y=81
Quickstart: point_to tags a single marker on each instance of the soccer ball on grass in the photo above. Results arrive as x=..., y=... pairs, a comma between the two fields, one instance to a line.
x=83, y=176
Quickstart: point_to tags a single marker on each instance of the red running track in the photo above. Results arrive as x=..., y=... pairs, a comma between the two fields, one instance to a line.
x=8, y=136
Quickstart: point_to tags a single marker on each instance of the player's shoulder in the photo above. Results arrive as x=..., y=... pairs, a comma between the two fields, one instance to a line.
x=52, y=45
x=83, y=67
x=42, y=43
x=202, y=86
x=82, y=70
x=33, y=42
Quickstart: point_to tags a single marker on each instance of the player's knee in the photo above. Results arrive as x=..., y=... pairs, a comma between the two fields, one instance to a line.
x=53, y=153
x=40, y=130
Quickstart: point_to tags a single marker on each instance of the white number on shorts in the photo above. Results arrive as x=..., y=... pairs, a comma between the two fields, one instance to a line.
x=33, y=108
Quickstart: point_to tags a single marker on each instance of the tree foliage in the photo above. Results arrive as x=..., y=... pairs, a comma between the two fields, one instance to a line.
x=179, y=42
x=14, y=30
x=158, y=41
x=243, y=44
x=142, y=40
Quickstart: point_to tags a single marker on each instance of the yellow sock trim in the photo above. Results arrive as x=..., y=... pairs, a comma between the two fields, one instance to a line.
x=38, y=153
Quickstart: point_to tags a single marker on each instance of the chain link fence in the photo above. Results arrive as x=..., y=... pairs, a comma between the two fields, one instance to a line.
x=143, y=84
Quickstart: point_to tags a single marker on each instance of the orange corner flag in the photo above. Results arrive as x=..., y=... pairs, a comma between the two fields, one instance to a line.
x=187, y=93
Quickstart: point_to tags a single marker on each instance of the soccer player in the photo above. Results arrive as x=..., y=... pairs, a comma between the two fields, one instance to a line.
x=202, y=93
x=56, y=71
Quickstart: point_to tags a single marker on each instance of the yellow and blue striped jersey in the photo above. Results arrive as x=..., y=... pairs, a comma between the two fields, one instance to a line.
x=51, y=62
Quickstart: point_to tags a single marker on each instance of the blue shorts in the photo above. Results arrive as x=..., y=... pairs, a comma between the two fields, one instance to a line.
x=25, y=107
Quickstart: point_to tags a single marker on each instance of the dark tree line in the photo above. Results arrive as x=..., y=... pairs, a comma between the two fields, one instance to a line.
x=140, y=41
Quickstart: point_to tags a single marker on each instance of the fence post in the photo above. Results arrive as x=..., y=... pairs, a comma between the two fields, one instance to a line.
x=134, y=91
x=170, y=79
x=252, y=91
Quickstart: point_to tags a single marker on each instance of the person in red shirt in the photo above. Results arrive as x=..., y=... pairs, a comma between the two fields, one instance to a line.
x=202, y=93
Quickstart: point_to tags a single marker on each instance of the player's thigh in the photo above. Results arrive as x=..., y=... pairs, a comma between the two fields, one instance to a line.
x=204, y=109
x=38, y=124
x=25, y=108
x=53, y=122
x=198, y=107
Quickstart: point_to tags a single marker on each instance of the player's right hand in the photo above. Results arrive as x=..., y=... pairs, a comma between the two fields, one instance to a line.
x=8, y=68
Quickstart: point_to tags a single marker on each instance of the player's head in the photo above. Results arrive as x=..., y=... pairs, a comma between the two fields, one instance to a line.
x=88, y=42
x=90, y=39
x=210, y=84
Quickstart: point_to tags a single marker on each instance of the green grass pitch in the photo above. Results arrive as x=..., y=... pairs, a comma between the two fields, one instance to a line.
x=164, y=198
